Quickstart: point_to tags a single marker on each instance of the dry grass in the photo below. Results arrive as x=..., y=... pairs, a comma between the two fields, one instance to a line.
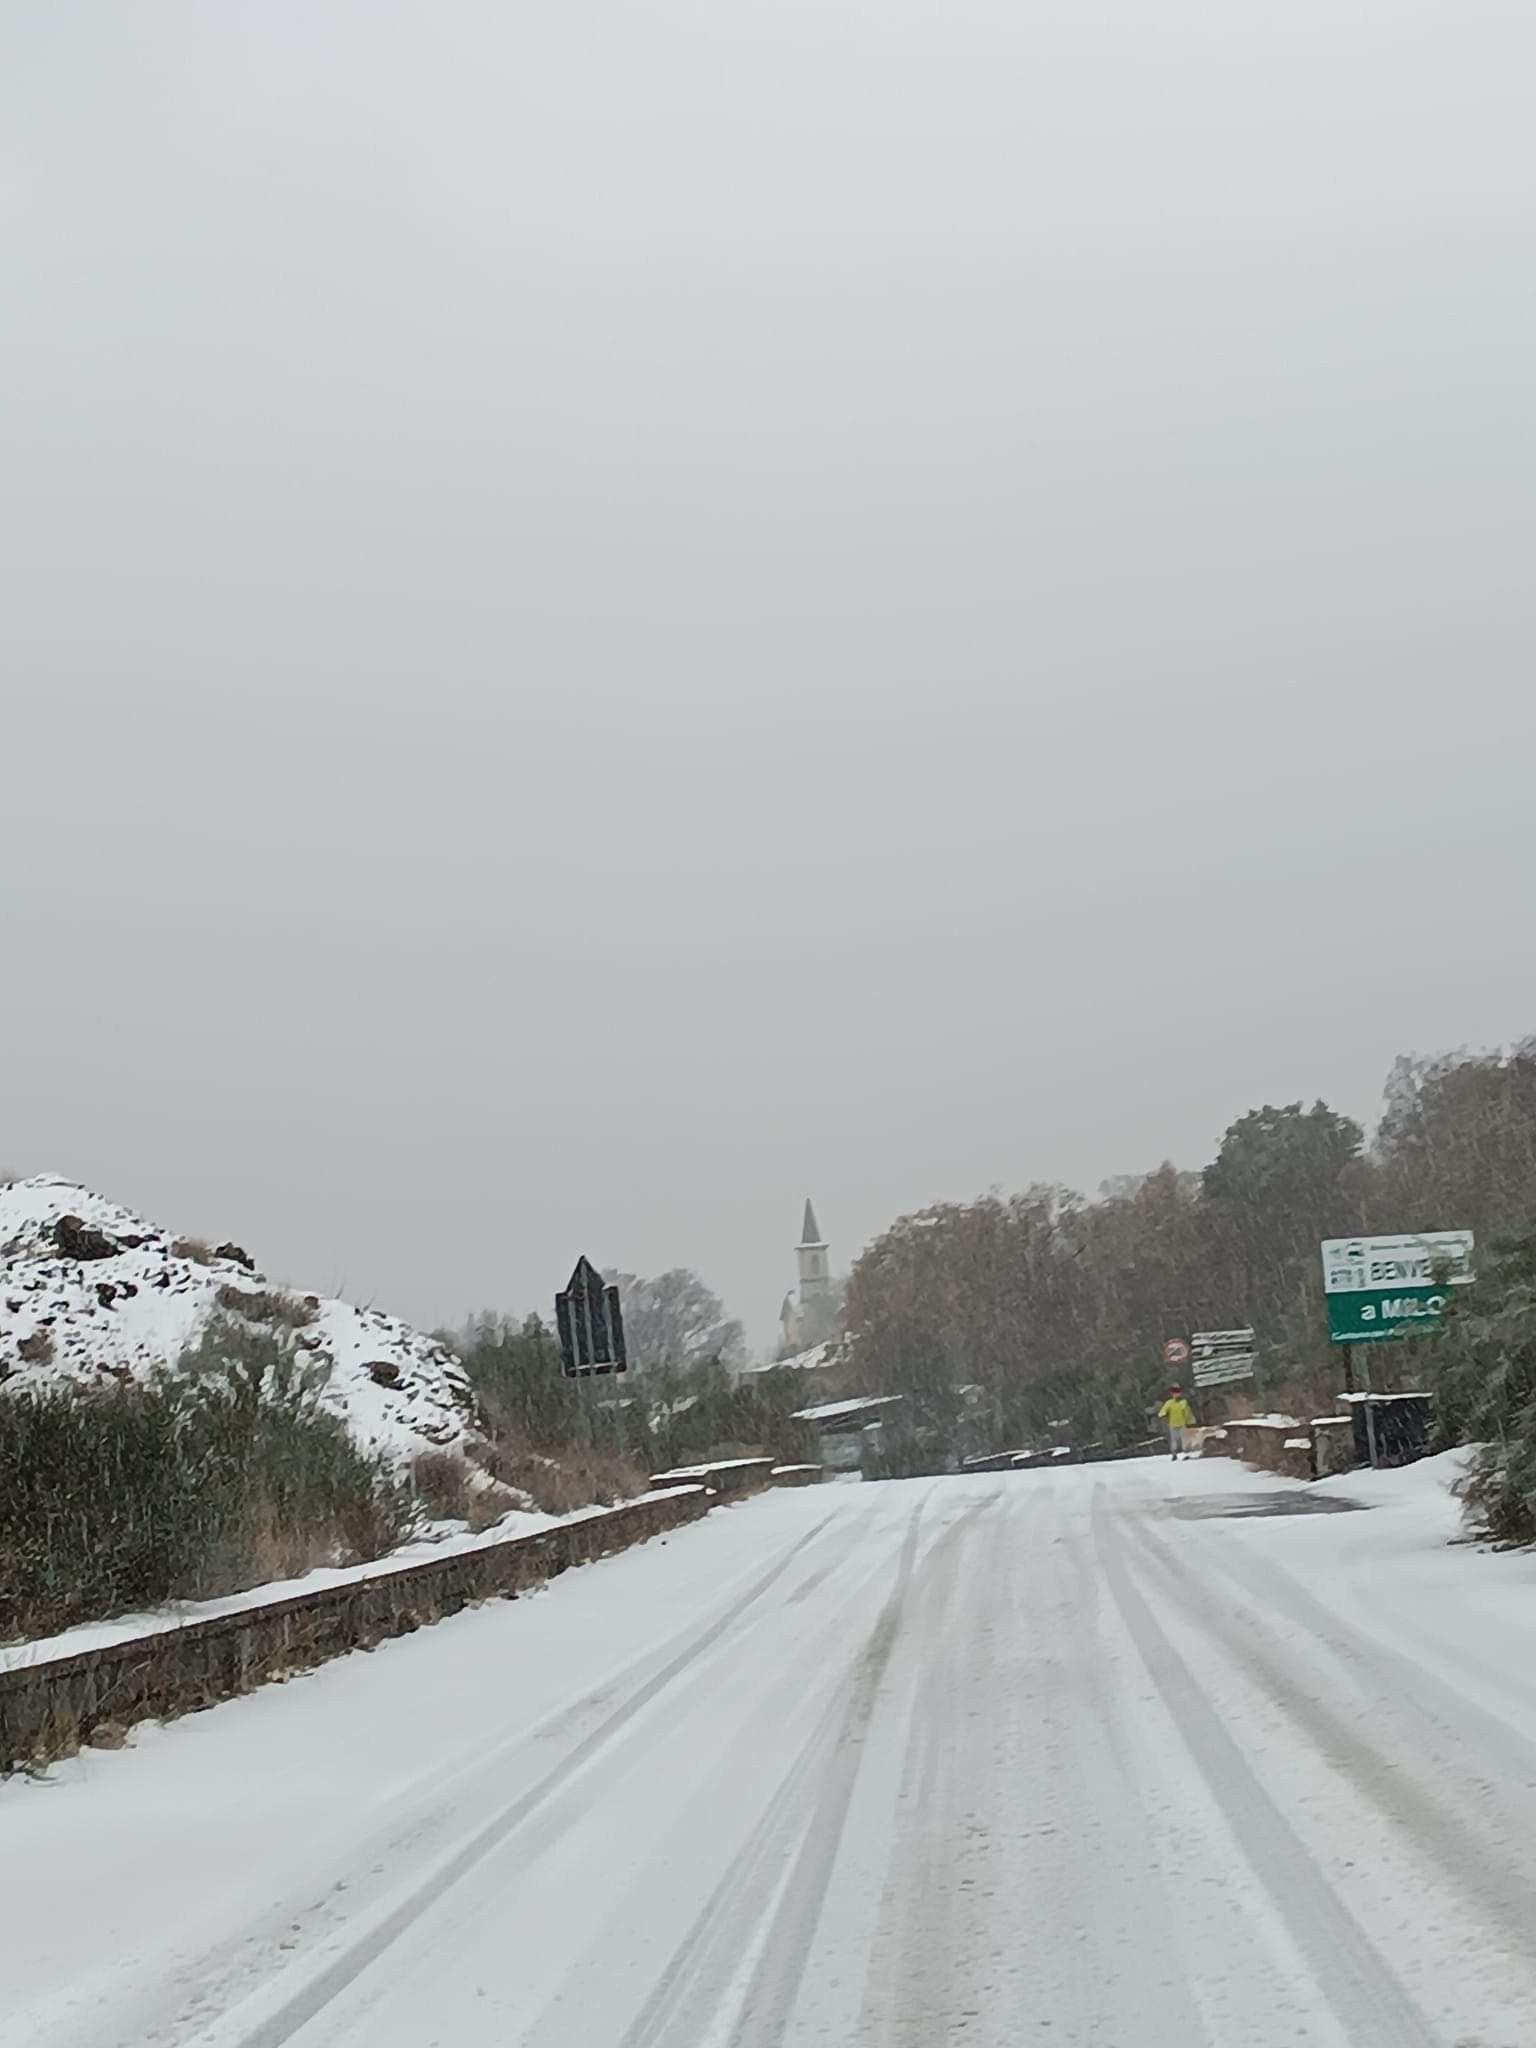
x=58, y=1738
x=117, y=1500
x=442, y=1483
x=558, y=1486
x=264, y=1552
x=37, y=1348
x=487, y=1505
x=267, y=1305
x=197, y=1250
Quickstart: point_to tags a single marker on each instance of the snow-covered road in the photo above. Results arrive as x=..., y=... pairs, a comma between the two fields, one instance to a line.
x=1095, y=1756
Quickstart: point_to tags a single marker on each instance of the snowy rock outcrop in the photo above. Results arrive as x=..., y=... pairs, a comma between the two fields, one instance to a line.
x=90, y=1292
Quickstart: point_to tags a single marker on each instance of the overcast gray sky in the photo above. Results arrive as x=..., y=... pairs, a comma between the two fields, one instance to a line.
x=618, y=612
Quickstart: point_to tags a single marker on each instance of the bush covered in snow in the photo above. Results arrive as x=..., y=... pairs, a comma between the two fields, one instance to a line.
x=1485, y=1386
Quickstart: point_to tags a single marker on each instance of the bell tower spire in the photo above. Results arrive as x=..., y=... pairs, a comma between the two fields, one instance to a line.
x=811, y=1257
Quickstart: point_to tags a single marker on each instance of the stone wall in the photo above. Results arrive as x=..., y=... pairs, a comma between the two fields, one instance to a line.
x=1333, y=1445
x=47, y=1708
x=1272, y=1447
x=727, y=1476
x=1294, y=1450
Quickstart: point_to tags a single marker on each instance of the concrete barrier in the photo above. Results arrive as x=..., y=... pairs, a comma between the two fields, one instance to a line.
x=1333, y=1445
x=728, y=1476
x=1210, y=1440
x=1296, y=1450
x=1262, y=1442
x=49, y=1707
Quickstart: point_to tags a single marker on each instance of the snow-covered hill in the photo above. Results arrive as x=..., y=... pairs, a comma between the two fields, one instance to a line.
x=90, y=1291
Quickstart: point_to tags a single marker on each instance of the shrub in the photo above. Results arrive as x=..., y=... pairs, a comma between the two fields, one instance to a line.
x=36, y=1348
x=223, y=1474
x=442, y=1484
x=268, y=1305
x=577, y=1478
x=1484, y=1362
x=197, y=1250
x=487, y=1505
x=515, y=1372
x=701, y=1412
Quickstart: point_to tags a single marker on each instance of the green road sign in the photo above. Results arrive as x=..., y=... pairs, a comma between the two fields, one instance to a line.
x=1368, y=1317
x=1381, y=1287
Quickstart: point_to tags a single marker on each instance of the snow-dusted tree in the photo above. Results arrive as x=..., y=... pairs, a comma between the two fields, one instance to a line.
x=1456, y=1149
x=674, y=1321
x=1284, y=1179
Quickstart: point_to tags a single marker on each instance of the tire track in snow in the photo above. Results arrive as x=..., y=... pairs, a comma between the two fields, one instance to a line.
x=812, y=1801
x=438, y=1807
x=330, y=1982
x=775, y=1983
x=711, y=1958
x=902, y=2002
x=1438, y=1711
x=1493, y=1886
x=1025, y=1902
x=697, y=1980
x=1367, y=1998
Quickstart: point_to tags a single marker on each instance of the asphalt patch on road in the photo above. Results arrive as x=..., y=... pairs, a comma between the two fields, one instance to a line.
x=1253, y=1506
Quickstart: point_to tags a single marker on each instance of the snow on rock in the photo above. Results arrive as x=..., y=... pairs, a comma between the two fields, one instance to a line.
x=90, y=1293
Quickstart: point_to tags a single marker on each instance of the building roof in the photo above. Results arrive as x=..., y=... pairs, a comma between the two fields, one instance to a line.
x=810, y=1233
x=835, y=1411
x=815, y=1360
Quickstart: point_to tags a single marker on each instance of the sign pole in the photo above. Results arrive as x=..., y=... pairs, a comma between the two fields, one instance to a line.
x=590, y=1320
x=1370, y=1416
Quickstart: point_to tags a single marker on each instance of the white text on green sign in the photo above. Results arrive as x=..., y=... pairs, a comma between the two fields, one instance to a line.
x=1370, y=1318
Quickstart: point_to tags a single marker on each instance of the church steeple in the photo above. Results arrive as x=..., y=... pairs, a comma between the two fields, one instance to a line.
x=811, y=1257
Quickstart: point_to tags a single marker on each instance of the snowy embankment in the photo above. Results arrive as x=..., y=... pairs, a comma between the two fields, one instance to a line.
x=91, y=1293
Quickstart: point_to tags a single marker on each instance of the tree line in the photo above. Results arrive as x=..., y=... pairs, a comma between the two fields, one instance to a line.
x=1036, y=1317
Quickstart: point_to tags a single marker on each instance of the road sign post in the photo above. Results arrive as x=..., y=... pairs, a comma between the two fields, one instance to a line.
x=1372, y=1456
x=1379, y=1288
x=591, y=1325
x=590, y=1320
x=1222, y=1357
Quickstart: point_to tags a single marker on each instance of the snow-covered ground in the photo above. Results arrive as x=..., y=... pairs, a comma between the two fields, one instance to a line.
x=1093, y=1756
x=121, y=1298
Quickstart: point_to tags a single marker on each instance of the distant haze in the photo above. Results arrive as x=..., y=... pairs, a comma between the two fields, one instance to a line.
x=615, y=614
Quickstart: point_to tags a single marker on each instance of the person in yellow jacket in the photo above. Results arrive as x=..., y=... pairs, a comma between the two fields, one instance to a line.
x=1180, y=1417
